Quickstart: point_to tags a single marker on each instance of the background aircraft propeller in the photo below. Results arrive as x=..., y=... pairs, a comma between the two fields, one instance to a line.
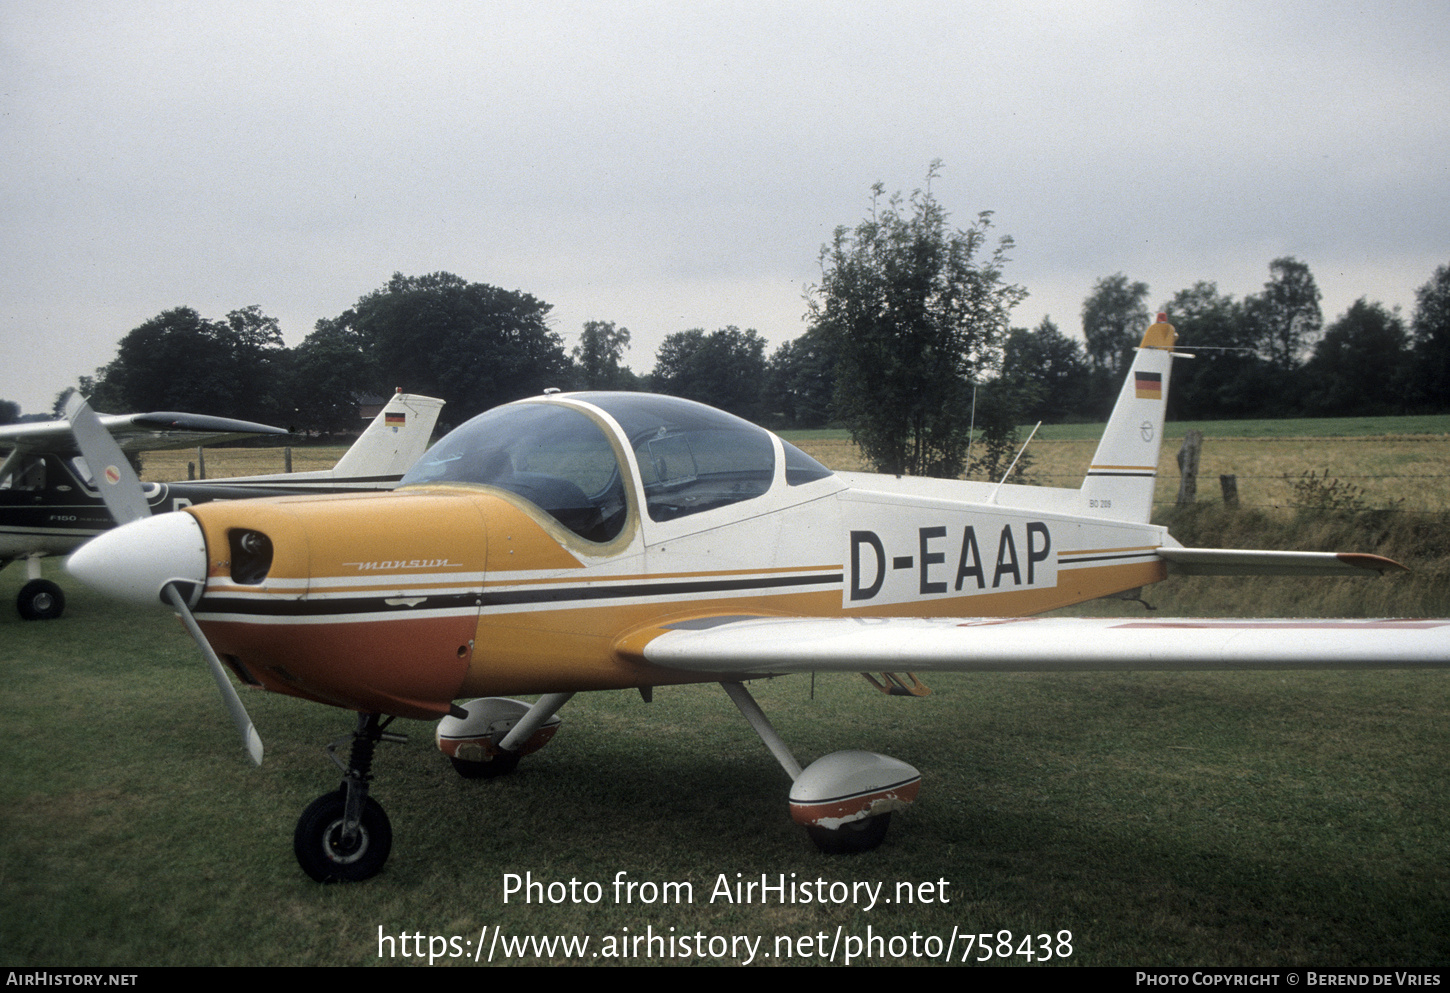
x=113, y=476
x=121, y=490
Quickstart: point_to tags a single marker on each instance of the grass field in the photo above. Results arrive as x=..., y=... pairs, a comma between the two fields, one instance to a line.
x=1195, y=819
x=1401, y=462
x=178, y=463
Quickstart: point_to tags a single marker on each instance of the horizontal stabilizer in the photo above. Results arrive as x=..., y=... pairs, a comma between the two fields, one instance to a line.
x=1241, y=562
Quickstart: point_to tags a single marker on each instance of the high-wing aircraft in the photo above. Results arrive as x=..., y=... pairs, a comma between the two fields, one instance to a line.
x=51, y=500
x=597, y=541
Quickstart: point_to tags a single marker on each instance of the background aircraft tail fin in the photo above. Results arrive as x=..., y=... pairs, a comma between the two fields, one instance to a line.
x=394, y=440
x=1120, y=480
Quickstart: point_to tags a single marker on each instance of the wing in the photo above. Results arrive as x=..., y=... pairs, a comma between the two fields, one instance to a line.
x=750, y=646
x=134, y=432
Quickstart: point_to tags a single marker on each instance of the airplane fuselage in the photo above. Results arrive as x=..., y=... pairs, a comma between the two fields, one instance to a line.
x=402, y=604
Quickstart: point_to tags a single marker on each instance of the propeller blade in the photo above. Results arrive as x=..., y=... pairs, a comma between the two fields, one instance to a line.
x=251, y=741
x=121, y=491
x=113, y=476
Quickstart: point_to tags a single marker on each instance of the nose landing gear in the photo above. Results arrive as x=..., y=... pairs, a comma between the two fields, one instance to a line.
x=345, y=836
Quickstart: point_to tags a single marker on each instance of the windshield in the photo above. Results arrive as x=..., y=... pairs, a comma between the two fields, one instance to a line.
x=551, y=455
x=23, y=472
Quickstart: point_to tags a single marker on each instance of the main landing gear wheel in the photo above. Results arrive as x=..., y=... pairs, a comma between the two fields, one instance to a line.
x=326, y=853
x=40, y=600
x=852, y=838
x=474, y=734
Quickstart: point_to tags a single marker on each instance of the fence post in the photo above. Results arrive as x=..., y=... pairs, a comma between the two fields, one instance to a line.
x=287, y=457
x=200, y=462
x=1188, y=467
x=1230, y=486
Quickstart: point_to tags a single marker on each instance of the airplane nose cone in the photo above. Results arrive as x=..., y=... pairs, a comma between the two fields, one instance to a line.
x=133, y=562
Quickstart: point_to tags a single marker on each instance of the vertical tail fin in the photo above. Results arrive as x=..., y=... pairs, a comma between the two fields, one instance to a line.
x=1120, y=481
x=394, y=440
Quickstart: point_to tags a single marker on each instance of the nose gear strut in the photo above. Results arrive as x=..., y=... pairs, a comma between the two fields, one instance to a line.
x=345, y=836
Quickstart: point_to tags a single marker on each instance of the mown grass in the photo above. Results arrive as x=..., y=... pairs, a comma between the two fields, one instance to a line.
x=1194, y=819
x=1206, y=818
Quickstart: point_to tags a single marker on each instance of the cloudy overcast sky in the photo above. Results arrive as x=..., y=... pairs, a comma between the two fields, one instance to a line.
x=669, y=166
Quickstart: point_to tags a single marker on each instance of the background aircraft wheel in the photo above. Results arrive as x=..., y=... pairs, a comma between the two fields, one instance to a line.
x=319, y=845
x=500, y=765
x=857, y=836
x=40, y=600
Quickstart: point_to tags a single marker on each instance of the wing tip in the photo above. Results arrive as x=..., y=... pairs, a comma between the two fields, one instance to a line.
x=1376, y=563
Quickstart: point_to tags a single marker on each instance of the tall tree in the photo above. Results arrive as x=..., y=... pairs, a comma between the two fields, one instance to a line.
x=179, y=360
x=1287, y=313
x=725, y=368
x=1226, y=377
x=802, y=382
x=1432, y=340
x=1050, y=372
x=471, y=344
x=999, y=407
x=330, y=371
x=1360, y=365
x=1114, y=316
x=260, y=359
x=598, y=355
x=915, y=312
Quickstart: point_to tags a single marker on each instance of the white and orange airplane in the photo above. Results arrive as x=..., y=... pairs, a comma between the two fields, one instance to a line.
x=605, y=541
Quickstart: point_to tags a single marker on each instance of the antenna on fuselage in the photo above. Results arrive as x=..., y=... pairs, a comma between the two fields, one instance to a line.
x=972, y=427
x=993, y=497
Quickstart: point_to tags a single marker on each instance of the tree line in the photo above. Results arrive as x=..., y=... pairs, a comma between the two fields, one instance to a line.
x=1267, y=355
x=909, y=344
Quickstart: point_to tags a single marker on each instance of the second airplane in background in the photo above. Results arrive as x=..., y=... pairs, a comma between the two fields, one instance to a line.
x=51, y=500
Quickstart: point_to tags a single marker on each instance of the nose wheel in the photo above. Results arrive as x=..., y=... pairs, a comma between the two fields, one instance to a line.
x=329, y=853
x=345, y=836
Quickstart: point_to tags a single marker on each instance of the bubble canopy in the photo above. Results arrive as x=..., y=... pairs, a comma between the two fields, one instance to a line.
x=554, y=454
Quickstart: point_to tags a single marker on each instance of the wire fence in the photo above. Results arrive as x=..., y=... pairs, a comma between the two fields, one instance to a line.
x=1408, y=474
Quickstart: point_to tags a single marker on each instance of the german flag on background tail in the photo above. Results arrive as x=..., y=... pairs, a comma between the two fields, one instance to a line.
x=1148, y=385
x=393, y=420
